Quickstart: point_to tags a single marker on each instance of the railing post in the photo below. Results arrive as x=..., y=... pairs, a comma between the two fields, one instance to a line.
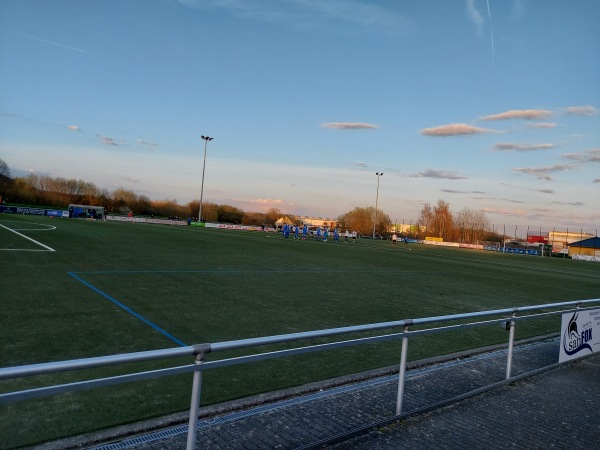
x=511, y=341
x=402, y=371
x=196, y=392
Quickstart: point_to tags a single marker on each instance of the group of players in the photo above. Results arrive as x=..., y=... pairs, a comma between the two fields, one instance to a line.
x=321, y=233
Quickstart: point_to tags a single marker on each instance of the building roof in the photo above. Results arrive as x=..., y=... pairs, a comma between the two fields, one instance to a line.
x=593, y=242
x=284, y=219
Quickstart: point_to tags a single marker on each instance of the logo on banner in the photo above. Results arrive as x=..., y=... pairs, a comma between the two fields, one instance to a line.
x=577, y=336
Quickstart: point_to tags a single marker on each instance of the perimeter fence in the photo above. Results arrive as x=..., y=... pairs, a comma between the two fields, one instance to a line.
x=408, y=328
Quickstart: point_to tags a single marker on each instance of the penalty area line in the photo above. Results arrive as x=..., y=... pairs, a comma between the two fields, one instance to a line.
x=129, y=310
x=28, y=238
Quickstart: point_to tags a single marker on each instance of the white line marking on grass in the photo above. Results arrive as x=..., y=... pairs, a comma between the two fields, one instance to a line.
x=47, y=227
x=28, y=238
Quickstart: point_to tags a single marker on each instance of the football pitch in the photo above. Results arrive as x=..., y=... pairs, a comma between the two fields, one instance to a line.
x=76, y=288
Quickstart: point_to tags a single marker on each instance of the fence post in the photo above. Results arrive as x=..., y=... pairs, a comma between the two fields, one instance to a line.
x=511, y=341
x=196, y=392
x=402, y=371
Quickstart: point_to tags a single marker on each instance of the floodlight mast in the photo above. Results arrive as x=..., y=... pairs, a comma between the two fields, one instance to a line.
x=206, y=139
x=379, y=174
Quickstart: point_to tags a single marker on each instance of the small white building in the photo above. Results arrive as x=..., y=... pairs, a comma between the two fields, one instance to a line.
x=559, y=240
x=317, y=222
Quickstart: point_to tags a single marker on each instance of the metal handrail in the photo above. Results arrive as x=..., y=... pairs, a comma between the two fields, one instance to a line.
x=509, y=316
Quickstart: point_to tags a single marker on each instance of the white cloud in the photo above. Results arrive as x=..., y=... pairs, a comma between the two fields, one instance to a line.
x=507, y=146
x=581, y=111
x=432, y=173
x=349, y=126
x=592, y=155
x=542, y=173
x=455, y=129
x=542, y=125
x=526, y=114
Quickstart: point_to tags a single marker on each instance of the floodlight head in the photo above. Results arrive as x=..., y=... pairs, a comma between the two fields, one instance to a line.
x=206, y=138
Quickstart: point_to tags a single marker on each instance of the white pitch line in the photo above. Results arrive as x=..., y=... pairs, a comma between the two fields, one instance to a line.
x=26, y=237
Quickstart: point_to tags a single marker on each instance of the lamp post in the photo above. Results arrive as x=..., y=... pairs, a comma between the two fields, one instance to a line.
x=376, y=201
x=206, y=139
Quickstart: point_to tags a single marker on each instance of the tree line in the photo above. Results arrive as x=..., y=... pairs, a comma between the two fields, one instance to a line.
x=467, y=225
x=58, y=192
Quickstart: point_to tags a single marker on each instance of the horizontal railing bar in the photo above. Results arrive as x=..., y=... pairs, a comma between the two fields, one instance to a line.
x=63, y=366
x=98, y=361
x=158, y=373
x=268, y=340
x=89, y=384
x=340, y=344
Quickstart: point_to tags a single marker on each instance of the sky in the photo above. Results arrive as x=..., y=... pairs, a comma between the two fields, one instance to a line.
x=489, y=105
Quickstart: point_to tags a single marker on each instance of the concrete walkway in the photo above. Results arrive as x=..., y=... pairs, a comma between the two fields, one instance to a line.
x=556, y=408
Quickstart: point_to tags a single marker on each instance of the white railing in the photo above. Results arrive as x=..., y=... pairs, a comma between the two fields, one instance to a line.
x=508, y=316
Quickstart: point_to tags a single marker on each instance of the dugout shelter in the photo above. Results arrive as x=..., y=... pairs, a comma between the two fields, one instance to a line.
x=86, y=212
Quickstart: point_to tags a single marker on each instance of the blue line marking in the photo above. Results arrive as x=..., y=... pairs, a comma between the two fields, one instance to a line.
x=129, y=310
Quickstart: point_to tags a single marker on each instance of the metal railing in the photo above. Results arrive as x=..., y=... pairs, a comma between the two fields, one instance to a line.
x=507, y=316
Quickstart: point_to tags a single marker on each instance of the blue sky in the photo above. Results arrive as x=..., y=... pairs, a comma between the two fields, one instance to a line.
x=491, y=105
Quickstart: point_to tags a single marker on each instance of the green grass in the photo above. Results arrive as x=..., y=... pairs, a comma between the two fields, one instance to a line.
x=206, y=285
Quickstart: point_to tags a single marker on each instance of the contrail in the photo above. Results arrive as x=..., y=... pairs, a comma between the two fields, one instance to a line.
x=491, y=29
x=58, y=44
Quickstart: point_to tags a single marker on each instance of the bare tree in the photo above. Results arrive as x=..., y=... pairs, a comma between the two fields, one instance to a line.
x=471, y=225
x=438, y=221
x=4, y=169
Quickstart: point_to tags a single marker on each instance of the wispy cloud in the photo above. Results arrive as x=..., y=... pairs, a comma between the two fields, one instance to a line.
x=542, y=125
x=264, y=204
x=133, y=180
x=106, y=140
x=569, y=203
x=451, y=191
x=351, y=15
x=349, y=126
x=526, y=114
x=543, y=191
x=542, y=173
x=432, y=173
x=73, y=128
x=506, y=212
x=581, y=111
x=592, y=155
x=507, y=146
x=596, y=180
x=151, y=144
x=46, y=41
x=455, y=129
x=264, y=201
x=474, y=15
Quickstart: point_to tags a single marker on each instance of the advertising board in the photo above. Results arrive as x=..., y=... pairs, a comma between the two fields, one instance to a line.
x=579, y=334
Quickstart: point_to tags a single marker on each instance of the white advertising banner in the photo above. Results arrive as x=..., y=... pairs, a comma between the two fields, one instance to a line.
x=579, y=334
